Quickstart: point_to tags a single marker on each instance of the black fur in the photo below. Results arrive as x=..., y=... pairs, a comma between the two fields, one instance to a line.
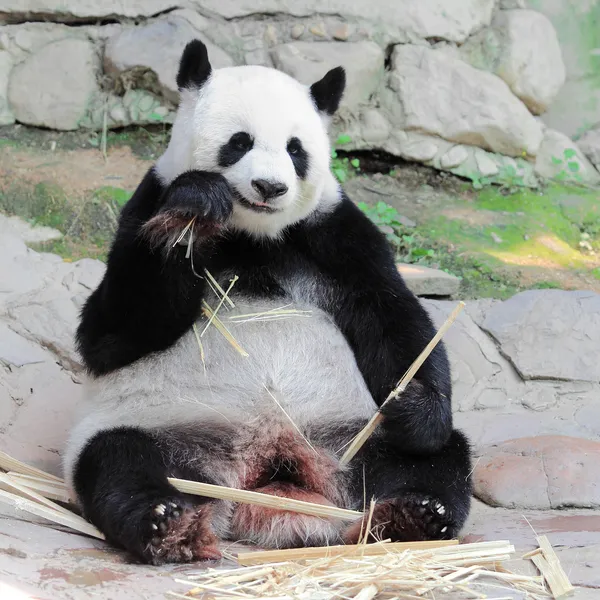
x=327, y=92
x=239, y=144
x=149, y=297
x=194, y=67
x=299, y=157
x=145, y=301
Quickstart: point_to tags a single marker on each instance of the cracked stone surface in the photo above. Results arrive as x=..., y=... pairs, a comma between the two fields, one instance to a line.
x=491, y=346
x=549, y=335
x=540, y=473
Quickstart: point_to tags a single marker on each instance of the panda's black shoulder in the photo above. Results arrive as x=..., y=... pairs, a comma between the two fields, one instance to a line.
x=348, y=243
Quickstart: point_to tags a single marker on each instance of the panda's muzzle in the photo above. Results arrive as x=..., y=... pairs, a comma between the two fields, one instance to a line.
x=269, y=189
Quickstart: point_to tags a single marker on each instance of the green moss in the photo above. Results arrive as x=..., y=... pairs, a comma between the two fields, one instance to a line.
x=41, y=204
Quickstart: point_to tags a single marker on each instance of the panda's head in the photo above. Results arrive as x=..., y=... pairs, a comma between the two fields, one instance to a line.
x=263, y=131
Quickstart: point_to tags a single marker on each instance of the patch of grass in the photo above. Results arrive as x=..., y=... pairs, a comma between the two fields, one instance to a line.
x=87, y=224
x=343, y=167
x=41, y=204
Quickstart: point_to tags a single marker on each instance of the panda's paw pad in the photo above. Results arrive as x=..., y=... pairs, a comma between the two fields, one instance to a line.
x=427, y=516
x=163, y=517
x=180, y=532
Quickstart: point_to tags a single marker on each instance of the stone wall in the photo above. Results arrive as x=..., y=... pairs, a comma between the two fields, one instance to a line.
x=455, y=84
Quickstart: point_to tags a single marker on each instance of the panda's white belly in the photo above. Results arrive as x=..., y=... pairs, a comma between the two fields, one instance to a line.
x=299, y=363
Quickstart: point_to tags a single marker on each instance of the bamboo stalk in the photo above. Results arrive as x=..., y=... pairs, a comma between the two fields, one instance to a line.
x=71, y=521
x=276, y=556
x=247, y=497
x=8, y=463
x=9, y=484
x=376, y=419
x=549, y=566
x=49, y=489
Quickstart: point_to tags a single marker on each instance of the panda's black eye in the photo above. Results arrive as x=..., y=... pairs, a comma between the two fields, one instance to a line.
x=294, y=146
x=299, y=157
x=238, y=145
x=241, y=141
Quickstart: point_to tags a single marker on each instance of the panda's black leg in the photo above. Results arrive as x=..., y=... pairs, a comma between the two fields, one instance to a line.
x=419, y=497
x=121, y=481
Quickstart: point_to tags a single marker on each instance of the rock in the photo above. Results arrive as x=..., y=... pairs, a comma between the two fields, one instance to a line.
x=481, y=377
x=549, y=334
x=309, y=61
x=341, y=33
x=454, y=157
x=84, y=9
x=485, y=163
x=374, y=127
x=522, y=48
x=158, y=46
x=452, y=20
x=424, y=281
x=6, y=63
x=539, y=473
x=28, y=233
x=53, y=87
x=560, y=158
x=460, y=103
x=318, y=30
x=589, y=144
x=17, y=351
x=297, y=31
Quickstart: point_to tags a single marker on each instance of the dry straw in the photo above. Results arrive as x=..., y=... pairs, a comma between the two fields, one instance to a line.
x=364, y=571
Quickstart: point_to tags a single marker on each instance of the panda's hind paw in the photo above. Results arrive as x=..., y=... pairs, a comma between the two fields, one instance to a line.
x=411, y=517
x=179, y=532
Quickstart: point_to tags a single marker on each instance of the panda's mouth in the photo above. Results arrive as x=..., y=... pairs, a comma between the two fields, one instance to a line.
x=261, y=208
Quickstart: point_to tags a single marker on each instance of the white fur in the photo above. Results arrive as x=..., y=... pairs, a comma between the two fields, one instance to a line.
x=305, y=361
x=272, y=107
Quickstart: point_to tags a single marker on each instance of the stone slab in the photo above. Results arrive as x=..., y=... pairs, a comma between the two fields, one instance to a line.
x=423, y=281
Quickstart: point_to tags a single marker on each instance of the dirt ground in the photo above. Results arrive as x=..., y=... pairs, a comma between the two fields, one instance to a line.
x=496, y=242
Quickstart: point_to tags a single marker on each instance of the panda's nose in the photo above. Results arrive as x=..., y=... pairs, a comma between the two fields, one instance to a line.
x=269, y=189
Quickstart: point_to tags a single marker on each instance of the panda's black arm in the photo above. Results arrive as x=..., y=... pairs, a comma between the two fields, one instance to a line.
x=384, y=323
x=149, y=295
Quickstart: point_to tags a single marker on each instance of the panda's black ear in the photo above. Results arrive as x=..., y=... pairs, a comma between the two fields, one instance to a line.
x=327, y=93
x=194, y=66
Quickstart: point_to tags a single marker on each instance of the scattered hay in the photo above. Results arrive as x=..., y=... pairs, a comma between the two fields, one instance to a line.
x=413, y=570
x=363, y=572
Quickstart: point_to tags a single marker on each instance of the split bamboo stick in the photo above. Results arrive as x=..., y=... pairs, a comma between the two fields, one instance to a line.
x=370, y=427
x=247, y=497
x=276, y=556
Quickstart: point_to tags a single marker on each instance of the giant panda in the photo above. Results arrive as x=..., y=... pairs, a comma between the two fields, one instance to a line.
x=249, y=161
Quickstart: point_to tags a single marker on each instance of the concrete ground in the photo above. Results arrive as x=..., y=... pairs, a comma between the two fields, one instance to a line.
x=44, y=562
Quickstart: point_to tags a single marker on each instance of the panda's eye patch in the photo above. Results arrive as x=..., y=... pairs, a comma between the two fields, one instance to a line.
x=299, y=157
x=294, y=146
x=241, y=141
x=239, y=144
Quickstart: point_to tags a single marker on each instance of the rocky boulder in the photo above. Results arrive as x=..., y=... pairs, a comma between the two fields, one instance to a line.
x=549, y=334
x=36, y=89
x=539, y=473
x=459, y=103
x=560, y=158
x=452, y=20
x=74, y=10
x=158, y=46
x=522, y=48
x=589, y=143
x=6, y=63
x=308, y=62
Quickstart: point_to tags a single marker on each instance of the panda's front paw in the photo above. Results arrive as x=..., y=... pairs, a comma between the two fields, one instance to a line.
x=199, y=196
